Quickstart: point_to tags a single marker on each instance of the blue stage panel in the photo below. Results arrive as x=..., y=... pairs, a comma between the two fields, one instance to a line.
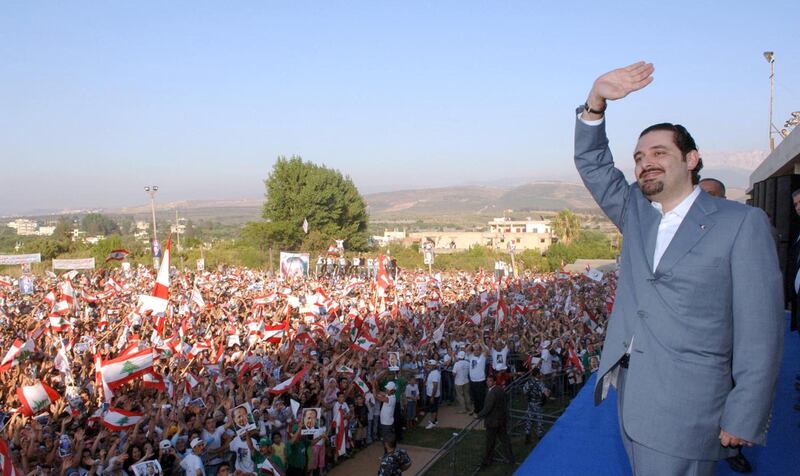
x=586, y=439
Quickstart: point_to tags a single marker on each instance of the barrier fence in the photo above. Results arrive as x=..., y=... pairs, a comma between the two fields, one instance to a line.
x=459, y=457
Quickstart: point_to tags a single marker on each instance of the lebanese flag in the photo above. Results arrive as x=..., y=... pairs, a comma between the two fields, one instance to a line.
x=340, y=423
x=361, y=384
x=6, y=281
x=50, y=298
x=382, y=278
x=36, y=398
x=6, y=464
x=573, y=357
x=289, y=383
x=476, y=318
x=99, y=382
x=67, y=292
x=117, y=255
x=19, y=351
x=117, y=419
x=197, y=297
x=274, y=334
x=58, y=324
x=264, y=300
x=438, y=334
x=502, y=313
x=125, y=368
x=363, y=343
x=158, y=301
x=62, y=306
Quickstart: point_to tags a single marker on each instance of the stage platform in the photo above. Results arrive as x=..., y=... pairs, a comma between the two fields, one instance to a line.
x=586, y=439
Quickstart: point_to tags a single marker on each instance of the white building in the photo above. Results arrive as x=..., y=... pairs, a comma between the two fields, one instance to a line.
x=507, y=225
x=24, y=226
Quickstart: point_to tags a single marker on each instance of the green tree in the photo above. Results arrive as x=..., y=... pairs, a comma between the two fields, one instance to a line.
x=98, y=224
x=298, y=190
x=566, y=226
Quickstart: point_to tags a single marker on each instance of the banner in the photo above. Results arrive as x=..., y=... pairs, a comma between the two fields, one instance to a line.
x=20, y=259
x=294, y=264
x=80, y=263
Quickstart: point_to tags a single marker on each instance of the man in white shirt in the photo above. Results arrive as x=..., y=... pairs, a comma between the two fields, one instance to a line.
x=433, y=390
x=388, y=400
x=243, y=452
x=699, y=302
x=192, y=464
x=477, y=375
x=461, y=377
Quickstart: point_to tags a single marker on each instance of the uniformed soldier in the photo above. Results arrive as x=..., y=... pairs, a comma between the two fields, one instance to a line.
x=394, y=460
x=536, y=393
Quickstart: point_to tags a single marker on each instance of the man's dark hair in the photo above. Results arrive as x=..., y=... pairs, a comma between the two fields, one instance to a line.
x=721, y=185
x=683, y=141
x=391, y=442
x=795, y=193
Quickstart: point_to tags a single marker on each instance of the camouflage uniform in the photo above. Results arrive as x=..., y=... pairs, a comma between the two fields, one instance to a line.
x=392, y=463
x=534, y=390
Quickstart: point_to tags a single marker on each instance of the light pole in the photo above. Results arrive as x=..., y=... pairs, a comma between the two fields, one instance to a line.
x=770, y=57
x=151, y=190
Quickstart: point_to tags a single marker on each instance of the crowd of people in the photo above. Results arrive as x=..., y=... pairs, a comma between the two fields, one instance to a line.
x=251, y=373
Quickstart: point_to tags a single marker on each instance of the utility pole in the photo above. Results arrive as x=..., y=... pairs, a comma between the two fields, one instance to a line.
x=151, y=190
x=770, y=57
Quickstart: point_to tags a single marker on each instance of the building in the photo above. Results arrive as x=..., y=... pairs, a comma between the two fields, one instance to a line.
x=46, y=230
x=502, y=234
x=506, y=225
x=24, y=226
x=389, y=237
x=771, y=187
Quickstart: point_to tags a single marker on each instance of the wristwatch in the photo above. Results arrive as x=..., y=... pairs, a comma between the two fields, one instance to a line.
x=585, y=107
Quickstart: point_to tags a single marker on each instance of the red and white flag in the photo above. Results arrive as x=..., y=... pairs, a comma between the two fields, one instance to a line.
x=5, y=281
x=6, y=463
x=19, y=352
x=289, y=383
x=363, y=343
x=158, y=301
x=117, y=419
x=123, y=369
x=502, y=313
x=361, y=384
x=36, y=398
x=382, y=278
x=154, y=380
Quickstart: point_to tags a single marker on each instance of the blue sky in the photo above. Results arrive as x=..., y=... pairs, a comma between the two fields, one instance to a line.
x=98, y=99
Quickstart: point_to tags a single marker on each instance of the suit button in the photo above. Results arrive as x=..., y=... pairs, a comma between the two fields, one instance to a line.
x=625, y=344
x=642, y=314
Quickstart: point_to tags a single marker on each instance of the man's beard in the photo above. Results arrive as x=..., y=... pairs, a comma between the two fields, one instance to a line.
x=651, y=187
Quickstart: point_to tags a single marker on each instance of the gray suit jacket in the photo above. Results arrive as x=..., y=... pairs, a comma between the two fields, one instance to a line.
x=708, y=323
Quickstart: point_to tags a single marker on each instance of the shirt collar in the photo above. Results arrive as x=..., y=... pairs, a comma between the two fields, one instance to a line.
x=682, y=208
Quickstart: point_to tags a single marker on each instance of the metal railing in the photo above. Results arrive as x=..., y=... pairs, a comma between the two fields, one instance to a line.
x=458, y=456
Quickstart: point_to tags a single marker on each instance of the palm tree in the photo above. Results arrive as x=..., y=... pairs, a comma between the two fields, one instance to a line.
x=566, y=226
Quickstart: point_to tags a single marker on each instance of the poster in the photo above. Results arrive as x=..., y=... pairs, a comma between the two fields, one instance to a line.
x=201, y=265
x=147, y=468
x=81, y=263
x=394, y=361
x=243, y=419
x=312, y=421
x=294, y=264
x=25, y=285
x=20, y=259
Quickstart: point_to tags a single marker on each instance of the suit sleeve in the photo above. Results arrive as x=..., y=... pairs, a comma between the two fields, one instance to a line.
x=758, y=329
x=487, y=405
x=595, y=165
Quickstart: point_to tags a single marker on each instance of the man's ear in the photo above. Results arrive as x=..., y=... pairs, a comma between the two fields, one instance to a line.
x=692, y=160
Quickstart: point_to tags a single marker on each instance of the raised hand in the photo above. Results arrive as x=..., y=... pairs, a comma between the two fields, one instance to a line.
x=619, y=83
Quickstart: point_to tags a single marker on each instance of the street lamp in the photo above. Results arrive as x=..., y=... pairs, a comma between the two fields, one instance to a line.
x=151, y=190
x=770, y=57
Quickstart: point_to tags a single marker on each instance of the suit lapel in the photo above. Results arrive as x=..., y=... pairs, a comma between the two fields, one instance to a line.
x=693, y=227
x=650, y=218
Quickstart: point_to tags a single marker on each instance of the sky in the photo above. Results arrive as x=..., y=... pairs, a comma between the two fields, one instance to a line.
x=99, y=99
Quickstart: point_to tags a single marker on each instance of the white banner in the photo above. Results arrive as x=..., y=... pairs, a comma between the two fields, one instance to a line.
x=20, y=259
x=80, y=263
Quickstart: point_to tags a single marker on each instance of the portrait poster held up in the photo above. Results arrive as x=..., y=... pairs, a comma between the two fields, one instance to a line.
x=394, y=361
x=312, y=421
x=243, y=419
x=294, y=264
x=147, y=468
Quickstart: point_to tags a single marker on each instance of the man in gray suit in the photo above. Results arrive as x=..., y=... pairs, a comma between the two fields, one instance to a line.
x=696, y=335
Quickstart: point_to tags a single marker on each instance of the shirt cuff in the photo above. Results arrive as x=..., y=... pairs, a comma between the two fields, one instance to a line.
x=596, y=122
